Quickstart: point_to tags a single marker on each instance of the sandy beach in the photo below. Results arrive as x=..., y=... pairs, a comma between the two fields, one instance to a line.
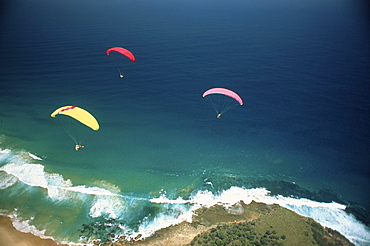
x=175, y=235
x=9, y=236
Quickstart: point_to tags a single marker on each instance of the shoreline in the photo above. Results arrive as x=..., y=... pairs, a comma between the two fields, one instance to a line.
x=9, y=235
x=290, y=226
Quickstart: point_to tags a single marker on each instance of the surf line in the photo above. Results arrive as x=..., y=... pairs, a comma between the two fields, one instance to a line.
x=98, y=192
x=165, y=200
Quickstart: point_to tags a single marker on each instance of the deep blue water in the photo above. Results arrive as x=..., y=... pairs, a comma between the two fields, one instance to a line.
x=301, y=67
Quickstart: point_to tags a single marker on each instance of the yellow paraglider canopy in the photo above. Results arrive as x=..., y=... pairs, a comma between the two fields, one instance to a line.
x=79, y=114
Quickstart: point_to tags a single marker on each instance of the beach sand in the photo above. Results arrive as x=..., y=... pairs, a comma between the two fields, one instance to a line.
x=9, y=236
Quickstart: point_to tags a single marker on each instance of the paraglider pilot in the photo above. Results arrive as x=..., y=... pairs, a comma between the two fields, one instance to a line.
x=77, y=147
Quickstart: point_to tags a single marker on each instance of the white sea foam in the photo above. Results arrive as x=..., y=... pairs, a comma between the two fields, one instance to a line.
x=57, y=186
x=26, y=227
x=30, y=174
x=330, y=215
x=35, y=157
x=109, y=205
x=91, y=190
x=178, y=215
x=4, y=154
x=164, y=199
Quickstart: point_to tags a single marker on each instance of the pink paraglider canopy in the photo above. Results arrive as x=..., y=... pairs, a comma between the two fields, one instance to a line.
x=123, y=51
x=225, y=92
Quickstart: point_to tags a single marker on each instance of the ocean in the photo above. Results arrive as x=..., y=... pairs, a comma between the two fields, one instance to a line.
x=301, y=138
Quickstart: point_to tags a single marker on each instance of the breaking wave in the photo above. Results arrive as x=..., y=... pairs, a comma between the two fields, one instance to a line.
x=104, y=202
x=332, y=215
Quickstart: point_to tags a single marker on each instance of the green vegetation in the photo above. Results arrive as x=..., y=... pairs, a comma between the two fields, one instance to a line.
x=274, y=225
x=236, y=234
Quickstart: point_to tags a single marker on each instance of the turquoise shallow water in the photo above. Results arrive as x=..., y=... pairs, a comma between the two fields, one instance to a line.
x=301, y=133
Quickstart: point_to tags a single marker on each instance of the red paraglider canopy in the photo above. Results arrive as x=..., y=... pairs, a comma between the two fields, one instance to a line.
x=122, y=51
x=225, y=92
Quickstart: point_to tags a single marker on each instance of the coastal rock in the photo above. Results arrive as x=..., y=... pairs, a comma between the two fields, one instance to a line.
x=138, y=237
x=236, y=209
